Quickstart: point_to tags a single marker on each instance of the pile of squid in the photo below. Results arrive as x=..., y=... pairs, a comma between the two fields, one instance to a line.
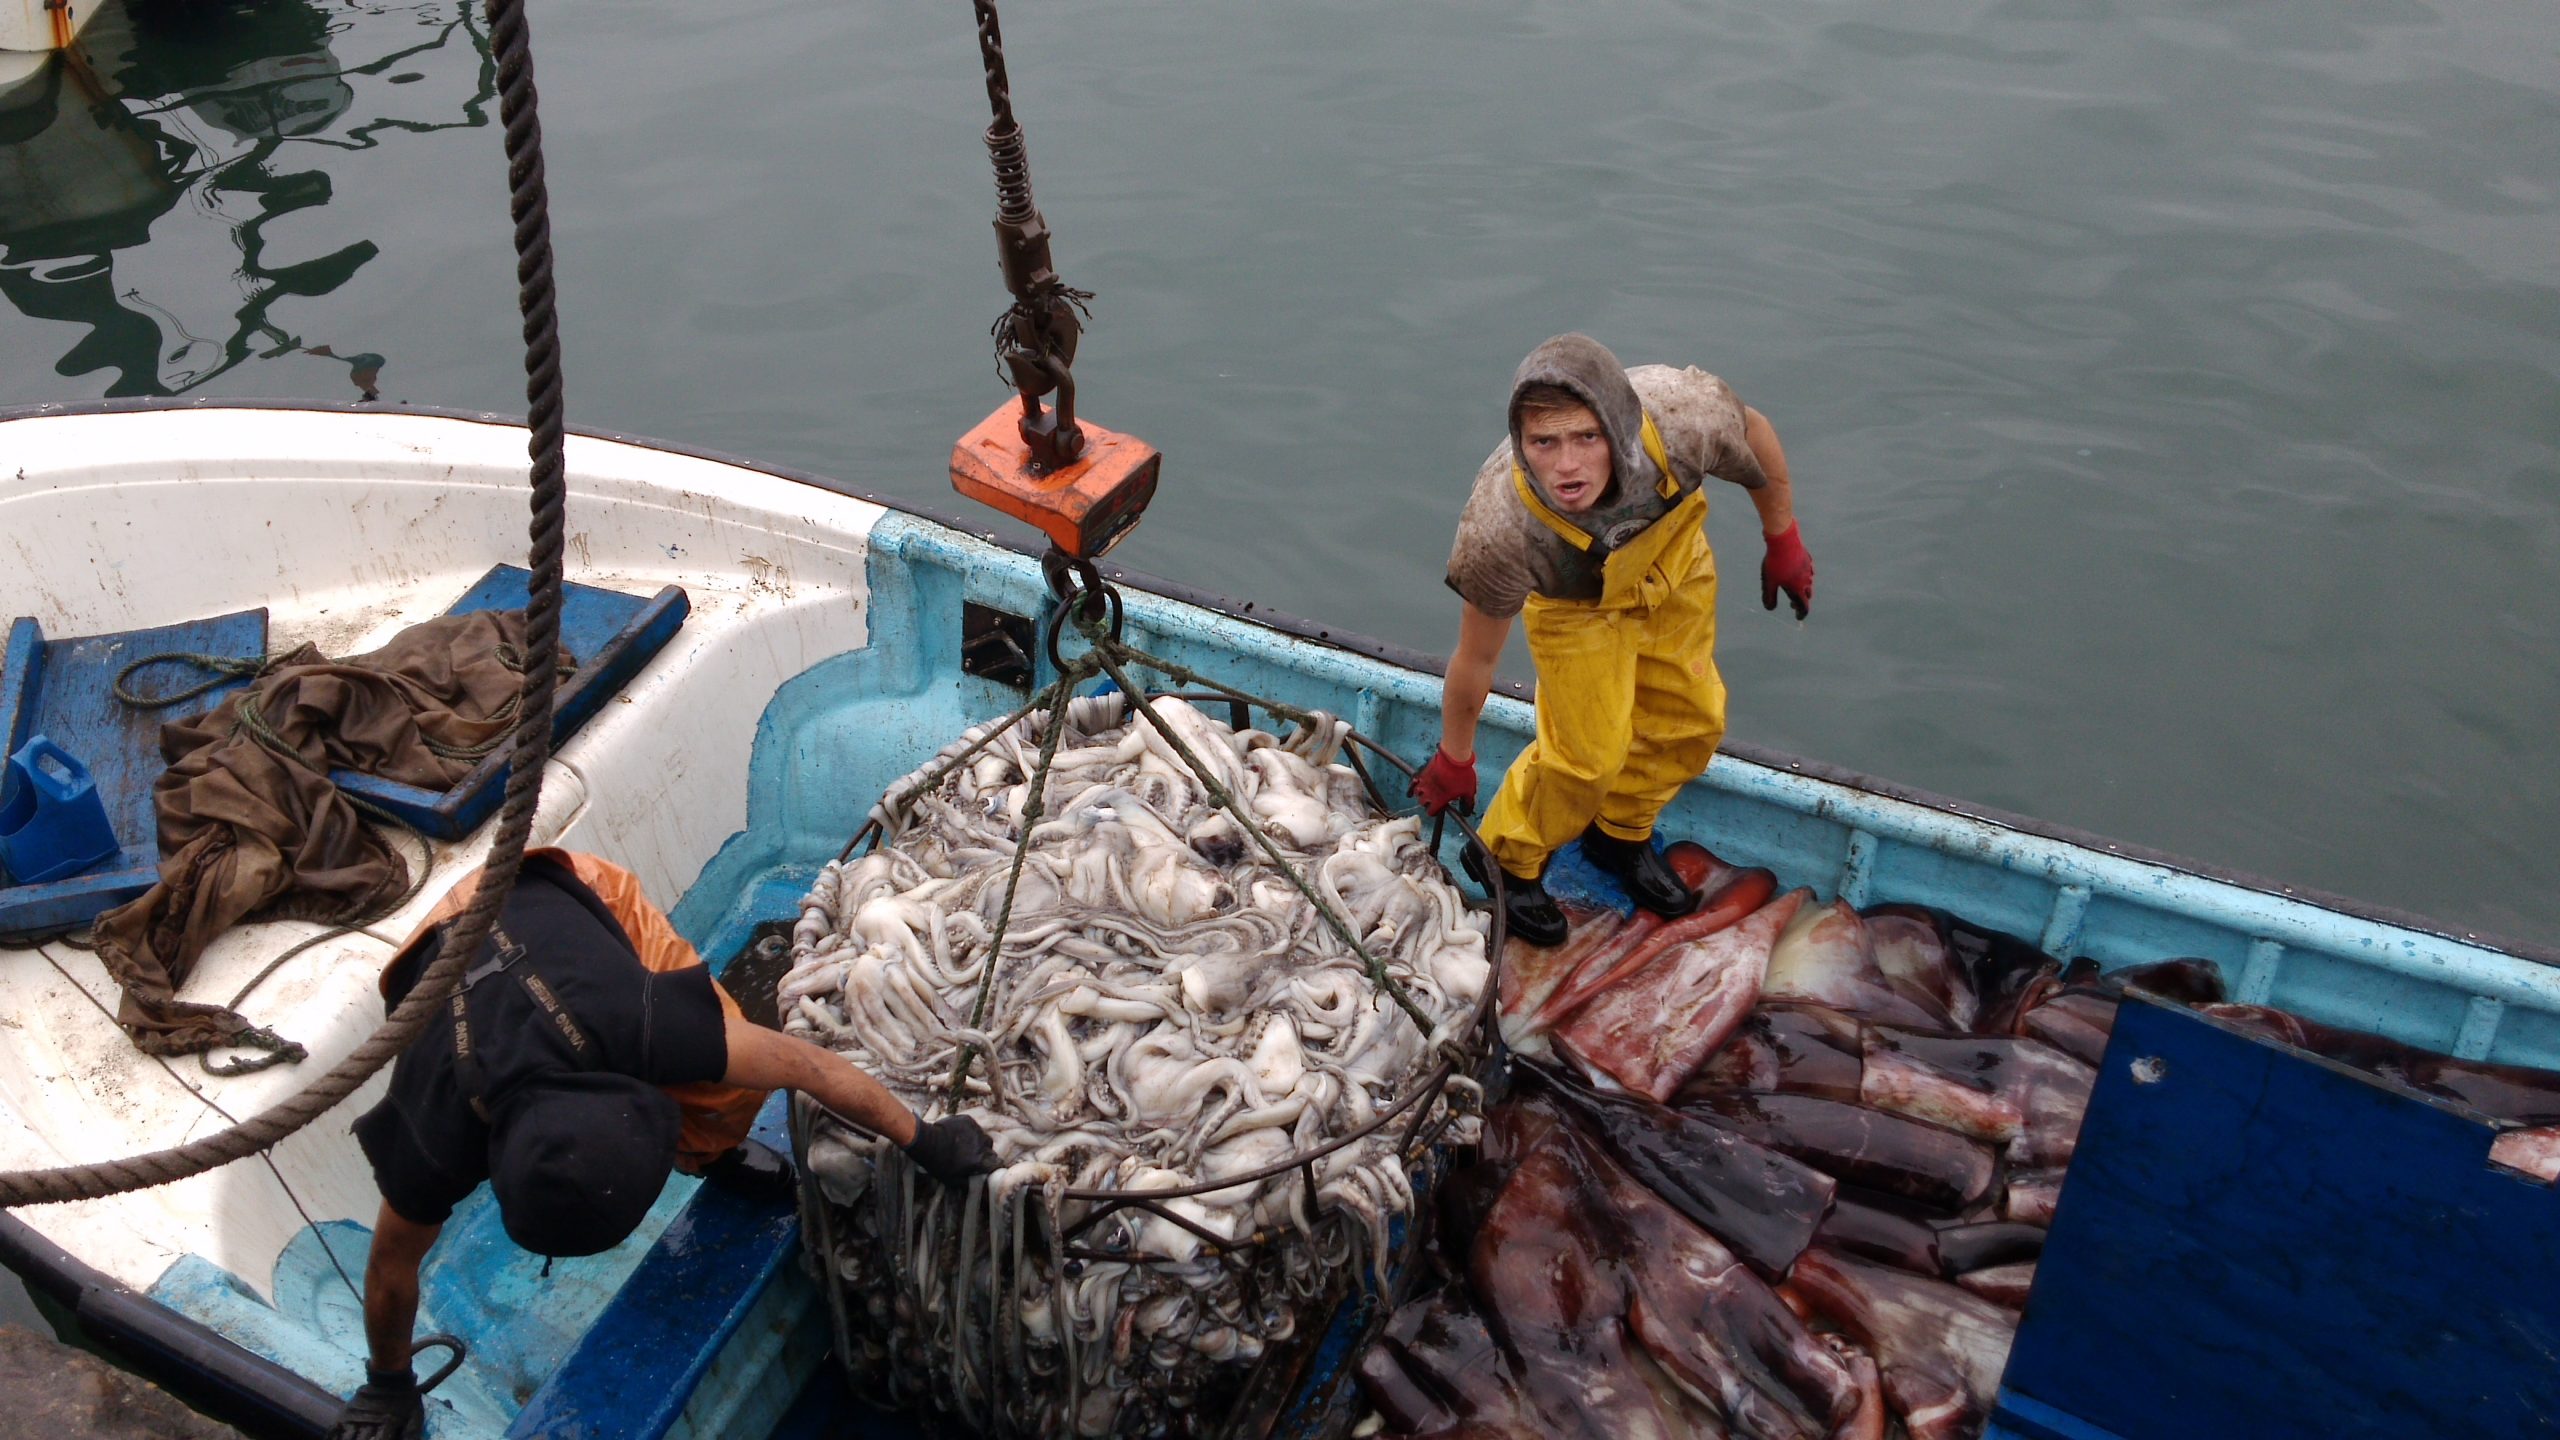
x=1169, y=1009
x=1776, y=1169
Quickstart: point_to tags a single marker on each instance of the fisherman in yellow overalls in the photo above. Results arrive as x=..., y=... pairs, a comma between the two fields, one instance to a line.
x=1590, y=523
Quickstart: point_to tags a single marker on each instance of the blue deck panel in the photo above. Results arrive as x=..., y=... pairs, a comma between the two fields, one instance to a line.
x=611, y=635
x=637, y=1367
x=2262, y=1242
x=65, y=690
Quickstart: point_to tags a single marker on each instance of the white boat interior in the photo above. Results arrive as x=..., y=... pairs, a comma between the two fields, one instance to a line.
x=343, y=555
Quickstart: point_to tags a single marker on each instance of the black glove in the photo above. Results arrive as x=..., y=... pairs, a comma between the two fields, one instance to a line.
x=952, y=1149
x=389, y=1407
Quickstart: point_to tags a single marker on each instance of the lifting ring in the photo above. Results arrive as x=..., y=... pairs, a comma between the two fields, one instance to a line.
x=1068, y=606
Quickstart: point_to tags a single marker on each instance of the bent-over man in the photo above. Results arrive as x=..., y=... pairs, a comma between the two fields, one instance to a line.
x=587, y=1054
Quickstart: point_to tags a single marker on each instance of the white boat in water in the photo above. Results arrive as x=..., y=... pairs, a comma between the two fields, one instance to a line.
x=826, y=648
x=35, y=26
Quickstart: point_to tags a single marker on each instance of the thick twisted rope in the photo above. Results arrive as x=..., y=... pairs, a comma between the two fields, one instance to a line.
x=532, y=746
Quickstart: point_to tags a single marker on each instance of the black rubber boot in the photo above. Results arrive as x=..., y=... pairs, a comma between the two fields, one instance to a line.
x=1528, y=911
x=1650, y=880
x=756, y=1171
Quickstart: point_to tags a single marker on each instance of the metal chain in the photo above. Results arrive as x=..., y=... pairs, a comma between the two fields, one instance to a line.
x=1036, y=336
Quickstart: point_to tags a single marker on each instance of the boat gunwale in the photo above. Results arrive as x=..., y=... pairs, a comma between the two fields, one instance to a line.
x=1354, y=642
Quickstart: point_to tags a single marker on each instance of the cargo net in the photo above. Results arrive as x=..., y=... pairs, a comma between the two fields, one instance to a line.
x=1232, y=1007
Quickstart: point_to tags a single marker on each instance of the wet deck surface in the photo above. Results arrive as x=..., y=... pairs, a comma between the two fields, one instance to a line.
x=50, y=1390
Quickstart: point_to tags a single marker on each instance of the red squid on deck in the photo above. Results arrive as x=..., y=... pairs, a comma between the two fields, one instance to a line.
x=1776, y=1169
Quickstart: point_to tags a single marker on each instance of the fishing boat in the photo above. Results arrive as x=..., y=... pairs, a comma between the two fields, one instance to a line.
x=32, y=27
x=791, y=645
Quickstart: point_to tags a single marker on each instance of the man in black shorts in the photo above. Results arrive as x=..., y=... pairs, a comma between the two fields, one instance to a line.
x=587, y=1054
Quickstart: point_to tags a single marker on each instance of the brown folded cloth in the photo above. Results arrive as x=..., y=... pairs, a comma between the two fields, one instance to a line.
x=250, y=824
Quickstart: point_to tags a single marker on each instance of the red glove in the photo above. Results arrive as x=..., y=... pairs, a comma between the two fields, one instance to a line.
x=1444, y=782
x=1788, y=566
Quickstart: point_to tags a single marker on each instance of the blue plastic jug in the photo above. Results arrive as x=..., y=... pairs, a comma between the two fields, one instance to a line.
x=53, y=823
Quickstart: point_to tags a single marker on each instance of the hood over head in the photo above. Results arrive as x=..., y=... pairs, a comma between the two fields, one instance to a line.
x=1584, y=367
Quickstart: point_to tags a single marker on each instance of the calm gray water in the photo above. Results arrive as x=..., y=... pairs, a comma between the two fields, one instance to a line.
x=2170, y=385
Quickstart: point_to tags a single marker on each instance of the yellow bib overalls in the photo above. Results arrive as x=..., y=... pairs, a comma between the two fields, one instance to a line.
x=1630, y=707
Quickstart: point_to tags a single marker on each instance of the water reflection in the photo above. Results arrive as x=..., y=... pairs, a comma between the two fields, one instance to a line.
x=195, y=126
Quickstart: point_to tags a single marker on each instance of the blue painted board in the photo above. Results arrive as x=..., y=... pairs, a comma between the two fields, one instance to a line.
x=611, y=634
x=19, y=655
x=2262, y=1242
x=637, y=1365
x=65, y=689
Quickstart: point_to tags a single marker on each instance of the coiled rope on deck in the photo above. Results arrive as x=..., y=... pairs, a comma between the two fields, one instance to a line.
x=529, y=204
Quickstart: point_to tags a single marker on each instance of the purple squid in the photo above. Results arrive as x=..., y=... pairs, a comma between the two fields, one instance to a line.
x=2006, y=1286
x=2005, y=973
x=1760, y=1203
x=1924, y=1164
x=1876, y=1227
x=1468, y=1195
x=1983, y=1085
x=1720, y=1331
x=1931, y=1405
x=1531, y=973
x=1873, y=1418
x=1911, y=1322
x=1436, y=1371
x=1622, y=1318
x=2534, y=1152
x=2189, y=980
x=1737, y=896
x=1666, y=1015
x=1986, y=1244
x=1555, y=1294
x=2078, y=1017
x=1790, y=1048
x=2031, y=1196
x=1911, y=950
x=1826, y=956
x=2074, y=1021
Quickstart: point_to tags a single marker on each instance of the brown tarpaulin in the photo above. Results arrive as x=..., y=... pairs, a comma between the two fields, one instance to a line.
x=253, y=826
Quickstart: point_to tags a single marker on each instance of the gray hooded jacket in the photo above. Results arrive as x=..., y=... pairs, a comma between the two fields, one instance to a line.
x=1503, y=553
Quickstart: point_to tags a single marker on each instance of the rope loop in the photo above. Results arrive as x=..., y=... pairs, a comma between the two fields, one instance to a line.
x=225, y=668
x=275, y=1050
